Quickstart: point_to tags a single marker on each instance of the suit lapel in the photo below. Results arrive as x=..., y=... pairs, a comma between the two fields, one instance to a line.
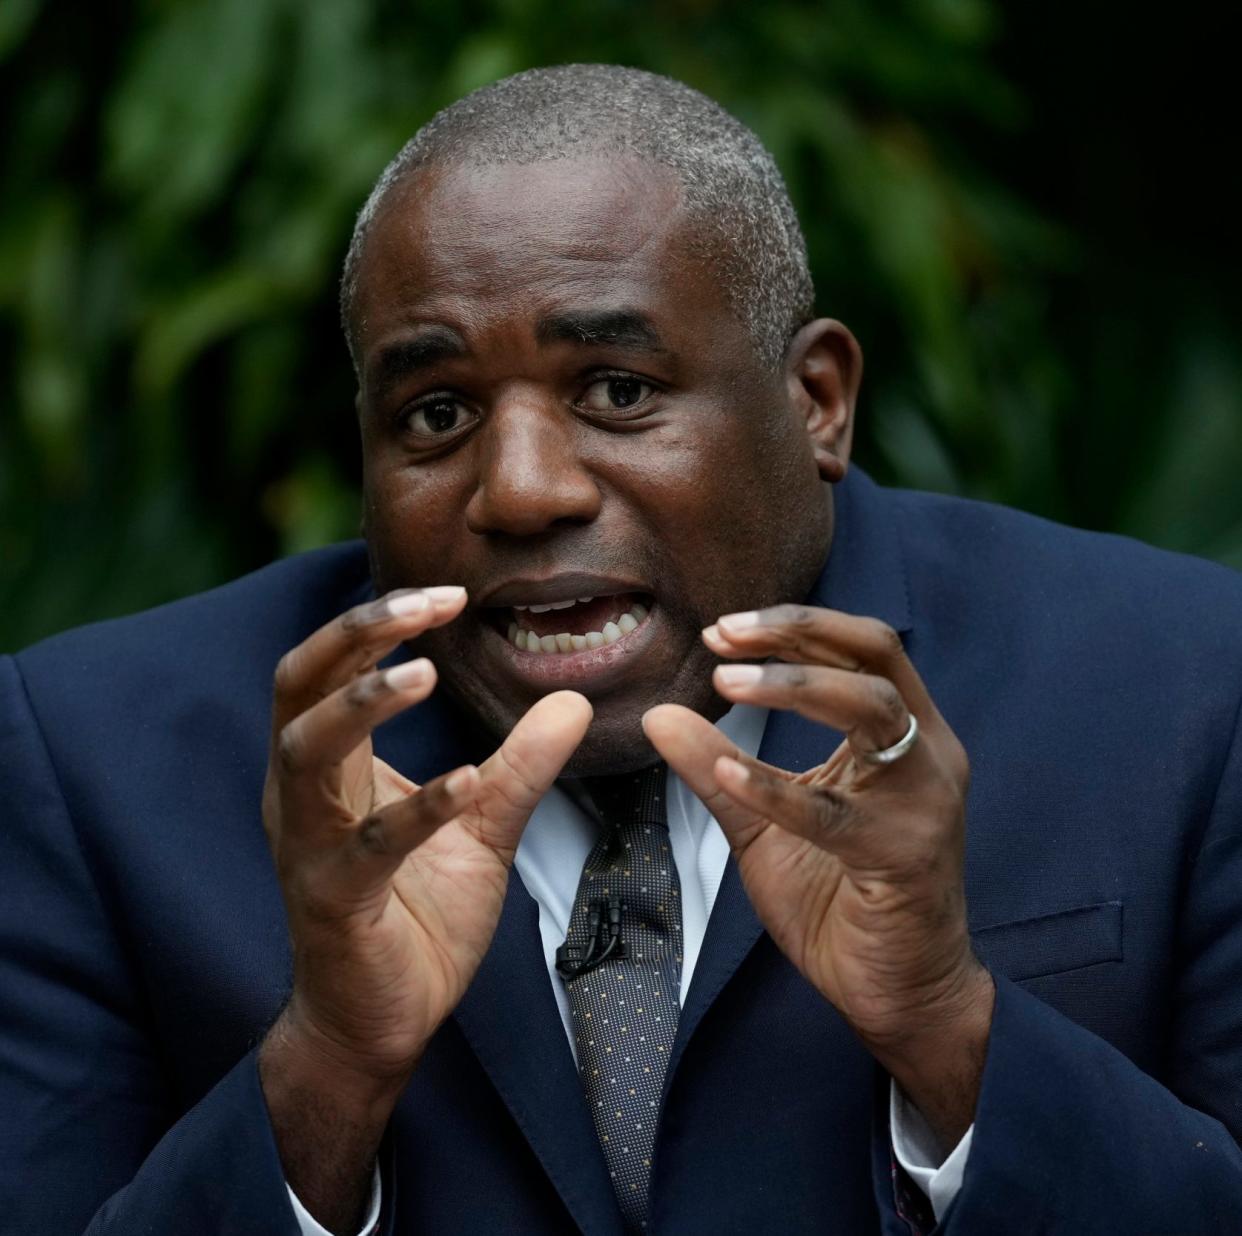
x=509, y=1017
x=509, y=1014
x=866, y=570
x=865, y=574
x=733, y=928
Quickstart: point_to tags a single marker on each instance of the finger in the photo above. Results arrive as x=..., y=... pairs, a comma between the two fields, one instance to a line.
x=815, y=636
x=325, y=734
x=389, y=784
x=817, y=812
x=691, y=746
x=354, y=642
x=521, y=772
x=382, y=840
x=866, y=708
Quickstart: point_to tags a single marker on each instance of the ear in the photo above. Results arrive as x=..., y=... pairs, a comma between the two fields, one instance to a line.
x=823, y=370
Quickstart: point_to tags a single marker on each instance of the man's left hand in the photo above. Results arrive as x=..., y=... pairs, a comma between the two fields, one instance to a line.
x=854, y=867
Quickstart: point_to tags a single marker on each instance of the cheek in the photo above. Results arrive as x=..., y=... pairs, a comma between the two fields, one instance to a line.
x=689, y=491
x=738, y=506
x=720, y=475
x=410, y=517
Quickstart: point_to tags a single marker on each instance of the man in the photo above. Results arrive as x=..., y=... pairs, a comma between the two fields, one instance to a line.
x=608, y=514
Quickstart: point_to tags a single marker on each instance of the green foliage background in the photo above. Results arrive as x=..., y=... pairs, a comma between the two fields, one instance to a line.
x=1022, y=229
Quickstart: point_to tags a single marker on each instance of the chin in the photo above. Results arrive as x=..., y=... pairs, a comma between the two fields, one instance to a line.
x=612, y=745
x=615, y=742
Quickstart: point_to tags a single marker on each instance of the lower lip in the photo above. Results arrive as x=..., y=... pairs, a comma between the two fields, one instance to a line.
x=592, y=667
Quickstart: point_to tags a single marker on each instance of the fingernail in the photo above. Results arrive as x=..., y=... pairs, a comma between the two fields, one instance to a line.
x=739, y=675
x=712, y=632
x=408, y=674
x=740, y=622
x=442, y=594
x=402, y=603
x=459, y=781
x=734, y=768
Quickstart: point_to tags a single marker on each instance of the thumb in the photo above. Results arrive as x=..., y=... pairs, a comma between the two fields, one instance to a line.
x=521, y=772
x=691, y=745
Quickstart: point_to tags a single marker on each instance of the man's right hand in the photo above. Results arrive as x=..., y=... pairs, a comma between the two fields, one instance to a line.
x=392, y=891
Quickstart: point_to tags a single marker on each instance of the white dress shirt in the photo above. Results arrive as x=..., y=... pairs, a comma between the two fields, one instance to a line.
x=549, y=861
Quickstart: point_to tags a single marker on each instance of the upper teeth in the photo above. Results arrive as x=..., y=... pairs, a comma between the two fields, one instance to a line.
x=528, y=641
x=543, y=609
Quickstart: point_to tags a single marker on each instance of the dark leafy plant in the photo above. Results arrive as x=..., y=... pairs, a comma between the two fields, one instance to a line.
x=179, y=186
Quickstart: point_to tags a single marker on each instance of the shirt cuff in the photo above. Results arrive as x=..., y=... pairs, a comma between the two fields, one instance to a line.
x=308, y=1227
x=919, y=1153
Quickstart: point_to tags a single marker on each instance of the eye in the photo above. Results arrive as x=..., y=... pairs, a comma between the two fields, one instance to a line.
x=615, y=393
x=437, y=416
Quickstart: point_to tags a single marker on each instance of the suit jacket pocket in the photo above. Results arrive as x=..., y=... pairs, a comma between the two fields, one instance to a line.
x=1052, y=943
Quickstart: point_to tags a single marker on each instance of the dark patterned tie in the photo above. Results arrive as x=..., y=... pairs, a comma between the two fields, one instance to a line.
x=621, y=964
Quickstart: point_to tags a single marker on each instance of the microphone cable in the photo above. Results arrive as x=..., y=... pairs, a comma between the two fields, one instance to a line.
x=569, y=967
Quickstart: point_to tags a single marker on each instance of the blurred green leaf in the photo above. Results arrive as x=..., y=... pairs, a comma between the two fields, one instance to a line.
x=482, y=58
x=16, y=18
x=51, y=377
x=309, y=508
x=179, y=119
x=179, y=331
x=1194, y=478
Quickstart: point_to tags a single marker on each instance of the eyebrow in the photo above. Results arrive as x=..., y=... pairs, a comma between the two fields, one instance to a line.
x=618, y=328
x=397, y=361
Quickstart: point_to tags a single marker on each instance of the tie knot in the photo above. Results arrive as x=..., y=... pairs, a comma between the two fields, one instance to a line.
x=630, y=798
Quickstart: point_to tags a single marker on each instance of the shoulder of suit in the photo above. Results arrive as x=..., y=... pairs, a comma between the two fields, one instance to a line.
x=972, y=535
x=236, y=630
x=1033, y=571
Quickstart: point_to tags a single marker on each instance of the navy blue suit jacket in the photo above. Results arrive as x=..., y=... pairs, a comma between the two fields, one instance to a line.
x=1096, y=686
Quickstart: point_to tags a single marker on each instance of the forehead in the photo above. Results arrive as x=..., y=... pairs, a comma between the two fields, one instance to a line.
x=482, y=246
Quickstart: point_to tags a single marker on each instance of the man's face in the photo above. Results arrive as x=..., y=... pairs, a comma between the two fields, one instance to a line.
x=559, y=411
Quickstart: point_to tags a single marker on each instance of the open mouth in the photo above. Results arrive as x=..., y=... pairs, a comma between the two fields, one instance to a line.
x=586, y=623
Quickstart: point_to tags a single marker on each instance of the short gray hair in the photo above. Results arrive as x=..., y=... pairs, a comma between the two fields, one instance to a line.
x=731, y=187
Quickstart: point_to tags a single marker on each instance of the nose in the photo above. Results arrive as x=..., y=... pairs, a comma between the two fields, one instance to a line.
x=531, y=476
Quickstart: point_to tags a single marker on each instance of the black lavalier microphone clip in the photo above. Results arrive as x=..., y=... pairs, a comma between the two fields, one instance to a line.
x=603, y=941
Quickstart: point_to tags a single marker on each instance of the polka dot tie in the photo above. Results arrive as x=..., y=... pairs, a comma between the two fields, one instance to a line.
x=625, y=1008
